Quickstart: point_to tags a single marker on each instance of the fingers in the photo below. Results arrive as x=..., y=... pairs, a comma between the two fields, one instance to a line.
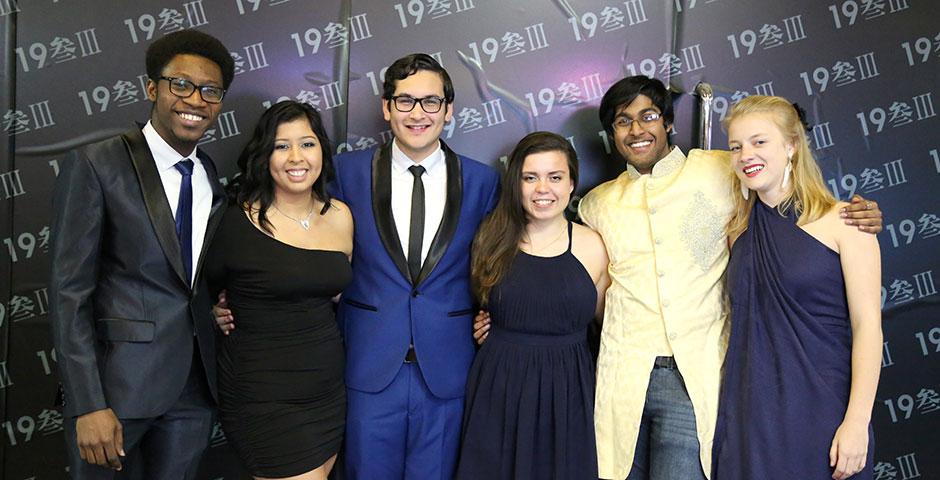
x=97, y=456
x=223, y=302
x=94, y=454
x=869, y=221
x=223, y=318
x=859, y=211
x=833, y=453
x=117, y=448
x=846, y=464
x=112, y=457
x=480, y=334
x=841, y=472
x=481, y=327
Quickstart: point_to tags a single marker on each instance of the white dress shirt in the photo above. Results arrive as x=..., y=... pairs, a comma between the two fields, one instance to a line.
x=435, y=194
x=166, y=158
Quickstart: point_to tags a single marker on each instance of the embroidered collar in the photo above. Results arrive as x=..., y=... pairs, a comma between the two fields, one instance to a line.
x=668, y=164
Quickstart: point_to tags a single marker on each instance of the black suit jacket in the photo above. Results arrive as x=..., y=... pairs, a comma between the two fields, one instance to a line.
x=123, y=314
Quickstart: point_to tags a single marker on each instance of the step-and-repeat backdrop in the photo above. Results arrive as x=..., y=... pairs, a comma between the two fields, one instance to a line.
x=865, y=70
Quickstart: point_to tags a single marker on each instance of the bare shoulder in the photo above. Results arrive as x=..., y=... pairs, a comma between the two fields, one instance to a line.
x=338, y=207
x=586, y=237
x=588, y=247
x=338, y=216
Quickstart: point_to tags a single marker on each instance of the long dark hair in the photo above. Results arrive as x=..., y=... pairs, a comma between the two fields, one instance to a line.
x=254, y=183
x=497, y=241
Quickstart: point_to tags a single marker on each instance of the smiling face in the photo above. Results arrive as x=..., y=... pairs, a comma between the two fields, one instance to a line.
x=641, y=143
x=182, y=121
x=546, y=185
x=759, y=154
x=417, y=132
x=296, y=160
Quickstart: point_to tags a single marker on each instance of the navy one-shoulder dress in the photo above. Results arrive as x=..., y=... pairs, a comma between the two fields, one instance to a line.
x=787, y=373
x=529, y=410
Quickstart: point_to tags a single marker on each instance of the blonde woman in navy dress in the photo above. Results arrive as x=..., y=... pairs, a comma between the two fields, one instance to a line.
x=805, y=349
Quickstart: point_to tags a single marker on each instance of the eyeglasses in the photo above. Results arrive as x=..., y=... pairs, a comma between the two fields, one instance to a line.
x=406, y=103
x=184, y=88
x=647, y=118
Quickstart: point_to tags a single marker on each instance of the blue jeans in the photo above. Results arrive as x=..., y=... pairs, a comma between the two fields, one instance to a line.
x=667, y=447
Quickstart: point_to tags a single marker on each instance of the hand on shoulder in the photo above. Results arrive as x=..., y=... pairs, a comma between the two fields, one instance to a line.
x=847, y=235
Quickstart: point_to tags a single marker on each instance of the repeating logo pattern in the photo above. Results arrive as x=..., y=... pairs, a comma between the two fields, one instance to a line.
x=865, y=70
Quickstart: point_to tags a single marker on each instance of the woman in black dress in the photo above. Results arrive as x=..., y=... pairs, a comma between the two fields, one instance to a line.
x=281, y=255
x=530, y=393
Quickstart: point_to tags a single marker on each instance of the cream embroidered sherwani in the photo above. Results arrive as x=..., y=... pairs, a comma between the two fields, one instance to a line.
x=665, y=235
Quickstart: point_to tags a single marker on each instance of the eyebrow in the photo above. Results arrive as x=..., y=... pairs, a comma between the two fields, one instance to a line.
x=648, y=110
x=206, y=83
x=302, y=138
x=758, y=134
x=529, y=172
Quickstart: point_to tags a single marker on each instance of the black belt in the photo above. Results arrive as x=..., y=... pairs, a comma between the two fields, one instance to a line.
x=665, y=362
x=411, y=357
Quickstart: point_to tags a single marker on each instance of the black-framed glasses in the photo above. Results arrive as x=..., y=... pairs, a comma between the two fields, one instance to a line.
x=184, y=88
x=406, y=103
x=646, y=118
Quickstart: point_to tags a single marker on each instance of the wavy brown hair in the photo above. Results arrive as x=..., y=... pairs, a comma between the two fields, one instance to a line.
x=497, y=241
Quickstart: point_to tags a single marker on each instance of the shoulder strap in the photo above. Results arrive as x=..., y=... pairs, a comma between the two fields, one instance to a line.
x=570, y=229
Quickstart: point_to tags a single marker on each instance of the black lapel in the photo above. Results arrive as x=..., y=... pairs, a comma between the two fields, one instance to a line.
x=382, y=206
x=218, y=204
x=445, y=231
x=161, y=217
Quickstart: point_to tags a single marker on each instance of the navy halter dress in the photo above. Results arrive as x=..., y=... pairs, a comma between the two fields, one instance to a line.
x=530, y=394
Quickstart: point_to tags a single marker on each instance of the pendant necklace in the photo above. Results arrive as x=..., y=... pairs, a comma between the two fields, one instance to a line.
x=304, y=222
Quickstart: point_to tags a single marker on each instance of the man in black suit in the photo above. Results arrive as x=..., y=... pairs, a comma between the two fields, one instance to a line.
x=130, y=313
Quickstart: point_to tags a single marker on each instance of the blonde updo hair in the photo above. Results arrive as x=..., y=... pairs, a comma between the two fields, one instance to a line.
x=807, y=193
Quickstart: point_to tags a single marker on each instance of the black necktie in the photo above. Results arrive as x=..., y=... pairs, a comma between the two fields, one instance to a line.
x=184, y=216
x=416, y=231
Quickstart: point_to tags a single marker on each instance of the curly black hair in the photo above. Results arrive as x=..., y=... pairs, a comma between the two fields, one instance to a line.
x=162, y=52
x=254, y=183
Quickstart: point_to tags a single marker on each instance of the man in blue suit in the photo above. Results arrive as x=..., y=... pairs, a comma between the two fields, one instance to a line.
x=407, y=316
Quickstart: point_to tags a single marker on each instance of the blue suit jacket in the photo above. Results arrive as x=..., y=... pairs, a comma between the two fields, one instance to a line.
x=383, y=309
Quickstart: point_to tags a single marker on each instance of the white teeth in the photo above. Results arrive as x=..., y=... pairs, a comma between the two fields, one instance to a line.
x=641, y=144
x=753, y=168
x=189, y=116
x=543, y=202
x=296, y=173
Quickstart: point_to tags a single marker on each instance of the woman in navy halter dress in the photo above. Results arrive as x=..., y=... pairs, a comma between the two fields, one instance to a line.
x=795, y=404
x=530, y=393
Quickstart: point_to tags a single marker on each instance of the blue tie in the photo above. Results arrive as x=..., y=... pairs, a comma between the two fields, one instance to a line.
x=184, y=216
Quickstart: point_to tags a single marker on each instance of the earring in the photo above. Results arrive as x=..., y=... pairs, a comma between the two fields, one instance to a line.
x=786, y=175
x=745, y=192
